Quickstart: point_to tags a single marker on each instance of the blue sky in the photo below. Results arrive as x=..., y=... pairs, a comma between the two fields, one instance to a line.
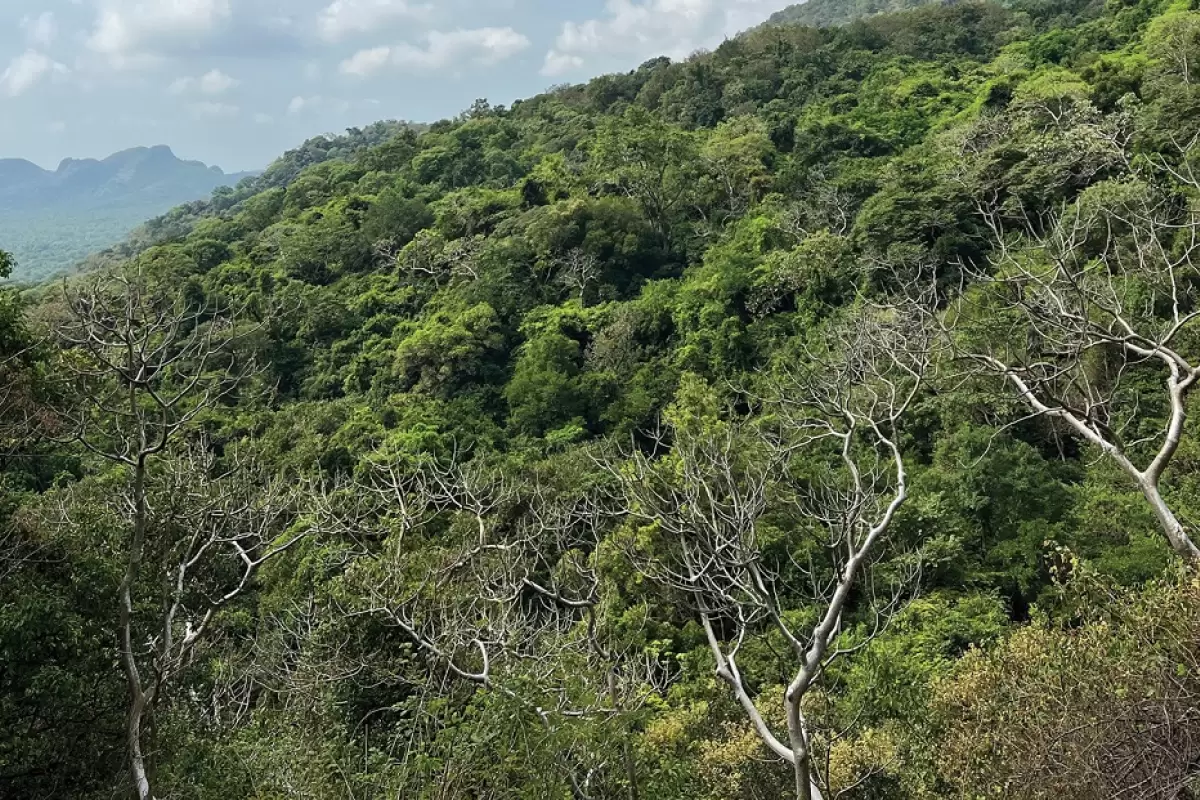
x=237, y=82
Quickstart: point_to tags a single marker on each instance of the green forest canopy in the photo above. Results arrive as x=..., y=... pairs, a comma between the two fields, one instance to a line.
x=424, y=481
x=827, y=13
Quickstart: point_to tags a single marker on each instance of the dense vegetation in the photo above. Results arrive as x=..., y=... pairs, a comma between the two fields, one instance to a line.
x=827, y=13
x=808, y=418
x=178, y=221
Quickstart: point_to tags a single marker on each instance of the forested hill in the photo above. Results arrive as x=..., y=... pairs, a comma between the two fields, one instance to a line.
x=178, y=221
x=826, y=13
x=807, y=418
x=51, y=219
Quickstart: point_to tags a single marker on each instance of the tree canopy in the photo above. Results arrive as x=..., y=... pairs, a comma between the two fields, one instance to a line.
x=792, y=420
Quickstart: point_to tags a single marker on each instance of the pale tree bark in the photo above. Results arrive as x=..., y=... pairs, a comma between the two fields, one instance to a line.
x=708, y=494
x=429, y=257
x=1073, y=306
x=141, y=366
x=1149, y=479
x=133, y=677
x=465, y=601
x=578, y=271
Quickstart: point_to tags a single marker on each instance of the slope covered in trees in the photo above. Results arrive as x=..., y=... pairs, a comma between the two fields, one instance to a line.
x=809, y=418
x=178, y=221
x=827, y=13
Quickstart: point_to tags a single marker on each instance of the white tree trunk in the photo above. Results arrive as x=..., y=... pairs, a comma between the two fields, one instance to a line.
x=137, y=760
x=1176, y=534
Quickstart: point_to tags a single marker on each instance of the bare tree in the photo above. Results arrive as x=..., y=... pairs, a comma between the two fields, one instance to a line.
x=494, y=582
x=1075, y=306
x=430, y=256
x=142, y=366
x=578, y=271
x=826, y=207
x=707, y=498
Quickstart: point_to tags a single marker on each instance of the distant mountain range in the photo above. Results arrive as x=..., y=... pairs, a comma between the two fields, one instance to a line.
x=50, y=220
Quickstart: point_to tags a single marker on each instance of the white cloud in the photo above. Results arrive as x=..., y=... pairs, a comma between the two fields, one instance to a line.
x=367, y=62
x=130, y=32
x=637, y=29
x=57, y=127
x=318, y=104
x=557, y=63
x=208, y=108
x=441, y=50
x=24, y=71
x=484, y=46
x=299, y=103
x=213, y=82
x=216, y=82
x=263, y=119
x=343, y=18
x=41, y=30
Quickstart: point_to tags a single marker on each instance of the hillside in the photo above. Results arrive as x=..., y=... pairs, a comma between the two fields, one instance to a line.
x=50, y=220
x=811, y=418
x=180, y=220
x=829, y=13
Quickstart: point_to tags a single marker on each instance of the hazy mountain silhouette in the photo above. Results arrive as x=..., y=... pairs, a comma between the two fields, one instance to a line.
x=51, y=219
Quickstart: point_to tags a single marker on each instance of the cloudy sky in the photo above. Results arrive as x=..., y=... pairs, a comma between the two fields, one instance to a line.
x=236, y=82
